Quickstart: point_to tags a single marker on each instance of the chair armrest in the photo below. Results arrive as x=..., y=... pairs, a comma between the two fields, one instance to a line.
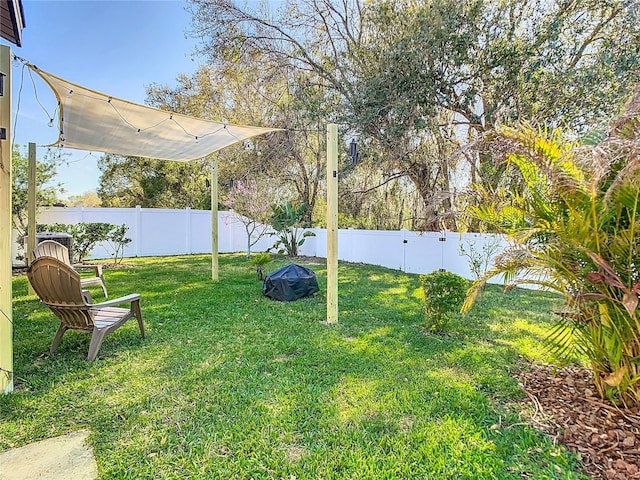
x=117, y=301
x=86, y=295
x=96, y=268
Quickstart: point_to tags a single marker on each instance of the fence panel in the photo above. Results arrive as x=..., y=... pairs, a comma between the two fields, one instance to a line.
x=162, y=232
x=199, y=231
x=175, y=232
x=377, y=247
x=423, y=252
x=454, y=262
x=316, y=246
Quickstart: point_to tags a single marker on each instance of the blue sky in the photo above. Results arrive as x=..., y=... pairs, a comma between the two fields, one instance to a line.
x=114, y=47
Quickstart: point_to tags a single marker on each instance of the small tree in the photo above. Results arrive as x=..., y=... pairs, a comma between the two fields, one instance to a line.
x=288, y=222
x=481, y=259
x=250, y=207
x=117, y=240
x=86, y=235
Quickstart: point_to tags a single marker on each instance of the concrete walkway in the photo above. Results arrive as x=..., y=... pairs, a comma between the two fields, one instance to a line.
x=60, y=458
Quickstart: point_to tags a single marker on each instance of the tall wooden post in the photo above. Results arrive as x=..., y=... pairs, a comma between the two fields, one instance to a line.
x=332, y=223
x=214, y=221
x=31, y=208
x=6, y=313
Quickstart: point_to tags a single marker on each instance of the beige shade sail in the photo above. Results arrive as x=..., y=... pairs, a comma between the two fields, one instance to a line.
x=97, y=122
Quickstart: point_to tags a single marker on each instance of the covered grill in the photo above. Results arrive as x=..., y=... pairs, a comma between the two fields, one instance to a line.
x=290, y=283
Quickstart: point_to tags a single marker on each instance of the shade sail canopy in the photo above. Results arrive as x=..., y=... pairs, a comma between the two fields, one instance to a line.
x=97, y=122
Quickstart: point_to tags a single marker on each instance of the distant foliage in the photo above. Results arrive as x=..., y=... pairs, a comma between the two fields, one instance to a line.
x=444, y=294
x=129, y=181
x=87, y=199
x=48, y=189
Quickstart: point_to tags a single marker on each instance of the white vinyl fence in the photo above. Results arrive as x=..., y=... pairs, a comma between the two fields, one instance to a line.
x=156, y=232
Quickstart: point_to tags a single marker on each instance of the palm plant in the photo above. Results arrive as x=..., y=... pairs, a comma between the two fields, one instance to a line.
x=259, y=261
x=288, y=221
x=573, y=215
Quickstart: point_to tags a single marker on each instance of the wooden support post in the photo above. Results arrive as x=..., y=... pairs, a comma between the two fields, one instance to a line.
x=6, y=185
x=31, y=208
x=332, y=223
x=214, y=221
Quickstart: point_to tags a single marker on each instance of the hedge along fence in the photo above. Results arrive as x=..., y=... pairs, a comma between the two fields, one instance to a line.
x=158, y=232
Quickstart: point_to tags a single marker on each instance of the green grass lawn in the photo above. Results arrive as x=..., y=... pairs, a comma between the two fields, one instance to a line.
x=231, y=385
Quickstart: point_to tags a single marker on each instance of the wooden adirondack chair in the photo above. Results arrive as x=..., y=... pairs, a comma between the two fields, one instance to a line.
x=59, y=286
x=51, y=248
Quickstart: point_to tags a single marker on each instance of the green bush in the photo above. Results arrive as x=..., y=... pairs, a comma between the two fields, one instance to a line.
x=86, y=235
x=444, y=294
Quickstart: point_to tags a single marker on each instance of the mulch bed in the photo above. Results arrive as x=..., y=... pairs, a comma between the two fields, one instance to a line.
x=567, y=407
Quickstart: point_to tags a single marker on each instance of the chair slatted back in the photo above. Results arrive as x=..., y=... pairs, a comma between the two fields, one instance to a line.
x=58, y=286
x=51, y=248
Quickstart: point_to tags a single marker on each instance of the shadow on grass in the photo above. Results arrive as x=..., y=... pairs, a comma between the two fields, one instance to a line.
x=230, y=384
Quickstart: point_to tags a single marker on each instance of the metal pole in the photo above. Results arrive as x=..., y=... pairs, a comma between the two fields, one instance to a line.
x=332, y=223
x=6, y=313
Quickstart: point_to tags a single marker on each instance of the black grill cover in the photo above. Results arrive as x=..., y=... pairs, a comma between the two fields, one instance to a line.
x=290, y=283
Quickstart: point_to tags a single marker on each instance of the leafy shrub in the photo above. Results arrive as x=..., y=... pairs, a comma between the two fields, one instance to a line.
x=444, y=294
x=86, y=235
